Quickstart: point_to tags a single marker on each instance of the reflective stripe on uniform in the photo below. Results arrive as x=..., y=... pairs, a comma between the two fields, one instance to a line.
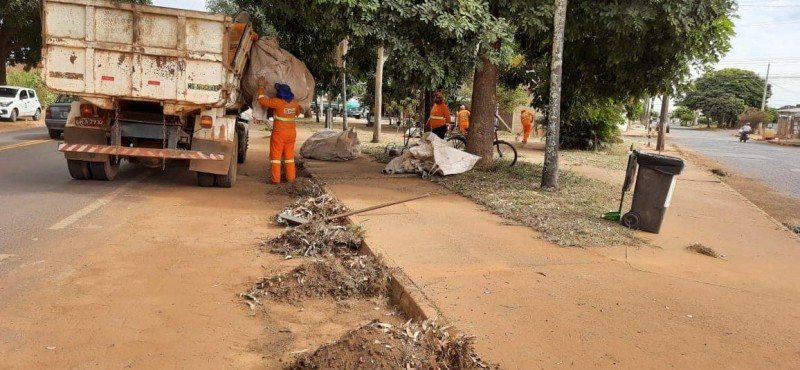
x=274, y=161
x=289, y=161
x=437, y=117
x=285, y=119
x=262, y=96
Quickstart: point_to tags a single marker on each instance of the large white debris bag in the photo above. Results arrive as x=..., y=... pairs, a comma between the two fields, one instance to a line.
x=432, y=155
x=332, y=145
x=276, y=65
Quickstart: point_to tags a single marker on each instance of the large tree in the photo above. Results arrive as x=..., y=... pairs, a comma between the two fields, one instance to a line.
x=718, y=89
x=21, y=33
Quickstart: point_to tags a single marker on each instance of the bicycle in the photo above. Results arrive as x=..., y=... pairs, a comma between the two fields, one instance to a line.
x=503, y=151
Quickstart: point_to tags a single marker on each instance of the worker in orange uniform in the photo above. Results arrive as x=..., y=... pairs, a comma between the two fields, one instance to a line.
x=286, y=109
x=526, y=117
x=462, y=117
x=440, y=115
x=235, y=34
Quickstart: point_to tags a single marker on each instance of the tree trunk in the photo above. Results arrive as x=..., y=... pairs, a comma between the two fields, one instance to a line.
x=376, y=131
x=662, y=126
x=484, y=105
x=645, y=118
x=550, y=169
x=3, y=74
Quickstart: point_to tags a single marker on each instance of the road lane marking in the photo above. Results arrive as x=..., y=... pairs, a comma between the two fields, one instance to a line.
x=97, y=204
x=24, y=143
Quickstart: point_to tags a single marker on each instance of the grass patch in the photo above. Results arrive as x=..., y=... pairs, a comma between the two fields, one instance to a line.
x=569, y=216
x=613, y=158
x=704, y=250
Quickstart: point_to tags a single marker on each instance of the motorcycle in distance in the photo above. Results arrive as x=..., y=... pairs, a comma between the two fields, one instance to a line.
x=744, y=133
x=743, y=136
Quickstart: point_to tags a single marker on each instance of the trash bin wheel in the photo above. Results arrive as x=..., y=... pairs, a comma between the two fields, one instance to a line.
x=631, y=220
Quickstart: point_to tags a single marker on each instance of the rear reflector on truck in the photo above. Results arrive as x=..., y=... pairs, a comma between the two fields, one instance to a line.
x=139, y=152
x=206, y=122
x=107, y=78
x=154, y=83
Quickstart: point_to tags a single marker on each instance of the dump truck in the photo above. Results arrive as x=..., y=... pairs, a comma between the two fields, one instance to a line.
x=154, y=84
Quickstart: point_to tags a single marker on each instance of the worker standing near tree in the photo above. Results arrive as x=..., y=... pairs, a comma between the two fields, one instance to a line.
x=462, y=117
x=440, y=114
x=284, y=133
x=526, y=117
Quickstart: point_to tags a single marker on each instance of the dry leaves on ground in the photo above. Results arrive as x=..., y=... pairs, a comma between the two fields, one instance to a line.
x=342, y=277
x=377, y=345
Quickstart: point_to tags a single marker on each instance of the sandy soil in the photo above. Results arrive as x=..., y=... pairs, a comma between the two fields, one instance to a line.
x=21, y=124
x=151, y=280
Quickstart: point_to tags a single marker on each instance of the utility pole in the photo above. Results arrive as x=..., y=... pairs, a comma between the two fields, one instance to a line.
x=550, y=168
x=766, y=83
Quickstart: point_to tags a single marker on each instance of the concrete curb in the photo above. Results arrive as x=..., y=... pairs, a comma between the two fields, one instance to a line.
x=403, y=292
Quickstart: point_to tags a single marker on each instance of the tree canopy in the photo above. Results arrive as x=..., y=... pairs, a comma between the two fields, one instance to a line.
x=726, y=85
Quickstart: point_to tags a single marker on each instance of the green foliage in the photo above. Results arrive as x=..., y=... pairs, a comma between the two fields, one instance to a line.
x=591, y=125
x=715, y=87
x=633, y=109
x=772, y=115
x=508, y=98
x=684, y=114
x=724, y=109
x=617, y=49
x=32, y=80
x=753, y=116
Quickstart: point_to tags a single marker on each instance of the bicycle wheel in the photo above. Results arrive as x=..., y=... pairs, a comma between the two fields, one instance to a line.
x=505, y=152
x=458, y=142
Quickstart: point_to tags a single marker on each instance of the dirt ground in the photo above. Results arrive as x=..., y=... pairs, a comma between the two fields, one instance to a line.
x=152, y=280
x=22, y=123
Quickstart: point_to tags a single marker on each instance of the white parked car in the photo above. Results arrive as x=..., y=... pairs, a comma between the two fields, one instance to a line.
x=18, y=102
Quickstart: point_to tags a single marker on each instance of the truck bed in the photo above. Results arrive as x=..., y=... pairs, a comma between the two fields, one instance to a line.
x=106, y=50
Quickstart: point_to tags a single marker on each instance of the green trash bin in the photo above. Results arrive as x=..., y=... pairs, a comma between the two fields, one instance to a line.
x=655, y=183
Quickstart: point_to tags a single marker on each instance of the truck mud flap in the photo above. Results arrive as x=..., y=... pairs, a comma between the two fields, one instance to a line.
x=217, y=167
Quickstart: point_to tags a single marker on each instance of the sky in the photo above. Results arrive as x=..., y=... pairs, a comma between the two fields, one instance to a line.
x=766, y=33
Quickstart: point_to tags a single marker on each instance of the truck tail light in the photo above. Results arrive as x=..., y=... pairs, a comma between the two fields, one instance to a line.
x=48, y=113
x=206, y=122
x=87, y=110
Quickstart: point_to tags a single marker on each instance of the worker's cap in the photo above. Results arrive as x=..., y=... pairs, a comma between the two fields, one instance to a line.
x=439, y=94
x=284, y=91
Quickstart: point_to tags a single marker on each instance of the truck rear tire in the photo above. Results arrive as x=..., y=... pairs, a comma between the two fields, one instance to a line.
x=79, y=170
x=242, y=152
x=54, y=134
x=105, y=171
x=228, y=180
x=205, y=179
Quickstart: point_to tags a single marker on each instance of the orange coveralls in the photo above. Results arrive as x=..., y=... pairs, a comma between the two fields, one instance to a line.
x=462, y=117
x=284, y=135
x=440, y=115
x=526, y=116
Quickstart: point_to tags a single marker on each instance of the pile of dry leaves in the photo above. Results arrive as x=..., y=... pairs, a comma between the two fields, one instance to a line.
x=344, y=277
x=377, y=345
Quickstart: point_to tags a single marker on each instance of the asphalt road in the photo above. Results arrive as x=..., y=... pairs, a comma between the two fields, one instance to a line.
x=776, y=165
x=38, y=197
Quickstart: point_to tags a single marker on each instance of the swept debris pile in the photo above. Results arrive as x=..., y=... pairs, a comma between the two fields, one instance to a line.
x=342, y=278
x=377, y=345
x=704, y=250
x=317, y=237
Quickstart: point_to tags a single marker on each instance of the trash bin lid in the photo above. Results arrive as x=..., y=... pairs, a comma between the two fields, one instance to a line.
x=662, y=163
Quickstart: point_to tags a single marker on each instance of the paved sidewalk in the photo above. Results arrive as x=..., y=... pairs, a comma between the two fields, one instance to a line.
x=533, y=304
